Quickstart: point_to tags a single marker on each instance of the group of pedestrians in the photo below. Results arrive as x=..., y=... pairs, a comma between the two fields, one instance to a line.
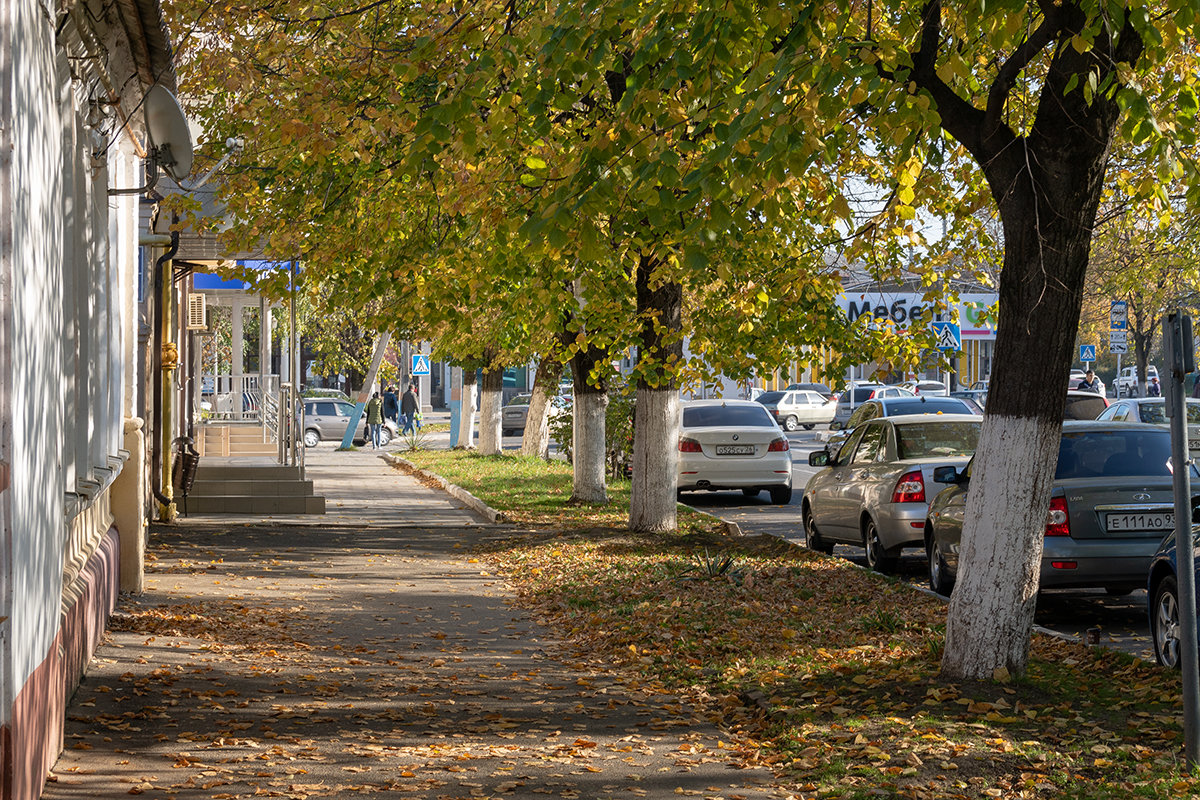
x=404, y=412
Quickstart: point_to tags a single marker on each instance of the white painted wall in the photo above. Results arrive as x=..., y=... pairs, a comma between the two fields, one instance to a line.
x=37, y=183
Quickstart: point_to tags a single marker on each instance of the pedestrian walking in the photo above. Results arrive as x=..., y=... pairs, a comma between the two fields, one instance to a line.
x=391, y=406
x=375, y=419
x=410, y=409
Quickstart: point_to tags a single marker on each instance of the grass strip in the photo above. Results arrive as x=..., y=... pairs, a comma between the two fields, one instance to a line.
x=535, y=492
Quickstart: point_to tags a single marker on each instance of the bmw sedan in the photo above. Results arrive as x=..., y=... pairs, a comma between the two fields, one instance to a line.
x=733, y=444
x=873, y=493
x=1110, y=506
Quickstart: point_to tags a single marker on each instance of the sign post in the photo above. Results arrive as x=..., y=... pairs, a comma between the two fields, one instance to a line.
x=1177, y=342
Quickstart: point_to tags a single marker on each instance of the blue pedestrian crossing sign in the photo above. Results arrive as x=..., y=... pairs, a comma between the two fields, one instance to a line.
x=420, y=365
x=1087, y=353
x=948, y=335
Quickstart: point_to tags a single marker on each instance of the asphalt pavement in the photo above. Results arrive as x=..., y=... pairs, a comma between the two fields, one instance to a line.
x=365, y=654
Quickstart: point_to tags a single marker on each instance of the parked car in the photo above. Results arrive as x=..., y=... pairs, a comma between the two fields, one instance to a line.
x=1126, y=383
x=733, y=444
x=928, y=388
x=514, y=413
x=1162, y=598
x=857, y=393
x=327, y=419
x=873, y=493
x=894, y=407
x=819, y=388
x=1084, y=405
x=976, y=398
x=793, y=409
x=979, y=386
x=1153, y=411
x=1110, y=506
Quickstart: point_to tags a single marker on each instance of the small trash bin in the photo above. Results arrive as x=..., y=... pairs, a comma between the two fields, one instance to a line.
x=183, y=471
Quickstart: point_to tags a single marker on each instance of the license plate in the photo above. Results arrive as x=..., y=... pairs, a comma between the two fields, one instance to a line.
x=735, y=449
x=1142, y=521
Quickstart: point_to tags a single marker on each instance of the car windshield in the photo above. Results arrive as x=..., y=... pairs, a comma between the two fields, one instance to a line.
x=939, y=405
x=1093, y=454
x=727, y=417
x=930, y=439
x=769, y=397
x=1156, y=413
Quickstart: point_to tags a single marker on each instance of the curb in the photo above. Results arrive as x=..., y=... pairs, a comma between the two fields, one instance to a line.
x=455, y=491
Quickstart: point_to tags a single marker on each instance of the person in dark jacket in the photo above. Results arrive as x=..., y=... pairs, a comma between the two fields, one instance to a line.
x=391, y=405
x=410, y=406
x=1089, y=383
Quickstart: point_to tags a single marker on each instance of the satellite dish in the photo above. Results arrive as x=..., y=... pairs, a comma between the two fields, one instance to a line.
x=170, y=137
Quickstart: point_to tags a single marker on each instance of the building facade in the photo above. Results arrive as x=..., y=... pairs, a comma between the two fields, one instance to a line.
x=72, y=471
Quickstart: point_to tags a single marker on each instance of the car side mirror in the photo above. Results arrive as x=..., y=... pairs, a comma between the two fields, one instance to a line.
x=947, y=475
x=818, y=458
x=836, y=426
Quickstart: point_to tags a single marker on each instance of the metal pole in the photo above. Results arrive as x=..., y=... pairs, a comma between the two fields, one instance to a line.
x=1177, y=342
x=294, y=404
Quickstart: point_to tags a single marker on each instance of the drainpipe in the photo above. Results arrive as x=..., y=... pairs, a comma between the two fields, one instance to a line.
x=164, y=363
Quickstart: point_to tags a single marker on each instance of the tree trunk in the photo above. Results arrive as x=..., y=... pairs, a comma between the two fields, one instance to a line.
x=652, y=500
x=1041, y=293
x=491, y=397
x=536, y=440
x=466, y=424
x=589, y=451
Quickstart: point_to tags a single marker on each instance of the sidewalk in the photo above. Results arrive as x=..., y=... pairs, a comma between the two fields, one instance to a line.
x=366, y=654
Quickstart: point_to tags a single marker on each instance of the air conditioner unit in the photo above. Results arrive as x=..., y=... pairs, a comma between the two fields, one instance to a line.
x=197, y=318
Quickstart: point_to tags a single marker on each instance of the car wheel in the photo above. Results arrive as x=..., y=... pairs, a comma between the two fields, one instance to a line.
x=751, y=492
x=1164, y=623
x=939, y=573
x=311, y=438
x=878, y=558
x=790, y=424
x=812, y=539
x=809, y=426
x=781, y=495
x=385, y=437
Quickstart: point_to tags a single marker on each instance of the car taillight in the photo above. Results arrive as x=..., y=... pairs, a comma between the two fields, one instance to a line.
x=1058, y=522
x=910, y=488
x=689, y=446
x=779, y=446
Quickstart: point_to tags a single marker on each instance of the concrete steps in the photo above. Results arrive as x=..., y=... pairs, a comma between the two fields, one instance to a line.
x=248, y=489
x=234, y=440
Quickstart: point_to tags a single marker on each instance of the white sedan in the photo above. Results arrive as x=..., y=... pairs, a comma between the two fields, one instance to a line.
x=733, y=444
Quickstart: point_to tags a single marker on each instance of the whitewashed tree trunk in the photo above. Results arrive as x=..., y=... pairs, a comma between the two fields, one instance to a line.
x=466, y=424
x=655, y=460
x=589, y=454
x=653, y=494
x=992, y=607
x=491, y=398
x=536, y=439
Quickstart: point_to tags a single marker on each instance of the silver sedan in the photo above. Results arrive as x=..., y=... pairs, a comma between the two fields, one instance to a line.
x=875, y=492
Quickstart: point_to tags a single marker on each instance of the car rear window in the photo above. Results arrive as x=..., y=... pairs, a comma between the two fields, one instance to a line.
x=936, y=439
x=860, y=395
x=931, y=405
x=727, y=416
x=769, y=397
x=520, y=400
x=1084, y=407
x=1107, y=454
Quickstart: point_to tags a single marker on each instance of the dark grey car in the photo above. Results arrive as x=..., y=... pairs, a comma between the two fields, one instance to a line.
x=1110, y=506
